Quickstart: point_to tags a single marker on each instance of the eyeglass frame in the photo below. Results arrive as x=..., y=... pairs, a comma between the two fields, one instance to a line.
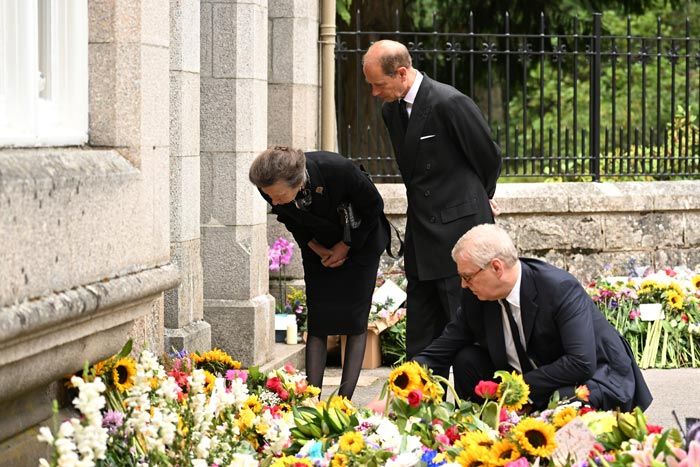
x=468, y=278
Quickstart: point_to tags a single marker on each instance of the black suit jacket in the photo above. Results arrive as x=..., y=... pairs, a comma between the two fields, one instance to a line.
x=449, y=164
x=566, y=336
x=333, y=180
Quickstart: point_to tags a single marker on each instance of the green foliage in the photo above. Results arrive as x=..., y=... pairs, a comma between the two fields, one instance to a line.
x=393, y=343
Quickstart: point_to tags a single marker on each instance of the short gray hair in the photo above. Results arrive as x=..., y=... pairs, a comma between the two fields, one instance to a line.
x=485, y=242
x=279, y=163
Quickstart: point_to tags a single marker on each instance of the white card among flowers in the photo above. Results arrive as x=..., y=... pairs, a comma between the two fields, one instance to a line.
x=390, y=294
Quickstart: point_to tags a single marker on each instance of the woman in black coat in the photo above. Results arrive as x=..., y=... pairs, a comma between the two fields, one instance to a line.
x=335, y=214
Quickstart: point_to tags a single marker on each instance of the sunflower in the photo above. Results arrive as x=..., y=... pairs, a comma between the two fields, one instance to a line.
x=503, y=451
x=215, y=360
x=563, y=416
x=340, y=460
x=535, y=437
x=472, y=458
x=474, y=440
x=351, y=441
x=100, y=368
x=674, y=299
x=209, y=382
x=406, y=378
x=253, y=403
x=512, y=390
x=696, y=281
x=123, y=373
x=246, y=419
x=341, y=403
x=285, y=461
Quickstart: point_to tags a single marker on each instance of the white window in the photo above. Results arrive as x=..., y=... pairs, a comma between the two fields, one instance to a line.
x=43, y=72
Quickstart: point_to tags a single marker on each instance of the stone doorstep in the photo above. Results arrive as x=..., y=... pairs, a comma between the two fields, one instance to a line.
x=283, y=353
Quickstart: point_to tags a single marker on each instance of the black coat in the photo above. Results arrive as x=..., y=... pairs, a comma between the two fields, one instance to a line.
x=566, y=336
x=449, y=164
x=338, y=299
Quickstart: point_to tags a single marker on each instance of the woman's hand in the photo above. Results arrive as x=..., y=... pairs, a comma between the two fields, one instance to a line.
x=323, y=252
x=339, y=253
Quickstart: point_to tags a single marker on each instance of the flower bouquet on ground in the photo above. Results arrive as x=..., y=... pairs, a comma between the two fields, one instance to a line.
x=280, y=255
x=668, y=338
x=204, y=409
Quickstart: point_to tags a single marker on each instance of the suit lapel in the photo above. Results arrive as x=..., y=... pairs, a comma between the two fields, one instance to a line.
x=528, y=305
x=420, y=111
x=494, y=334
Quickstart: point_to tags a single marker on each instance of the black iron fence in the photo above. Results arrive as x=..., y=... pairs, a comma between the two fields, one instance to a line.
x=579, y=106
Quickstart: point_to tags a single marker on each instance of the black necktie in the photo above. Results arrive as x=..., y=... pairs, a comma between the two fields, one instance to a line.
x=403, y=112
x=525, y=365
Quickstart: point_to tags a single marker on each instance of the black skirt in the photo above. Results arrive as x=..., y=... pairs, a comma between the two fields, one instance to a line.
x=338, y=299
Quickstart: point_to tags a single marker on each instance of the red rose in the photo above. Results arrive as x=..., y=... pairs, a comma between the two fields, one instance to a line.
x=654, y=429
x=486, y=389
x=273, y=384
x=452, y=433
x=414, y=397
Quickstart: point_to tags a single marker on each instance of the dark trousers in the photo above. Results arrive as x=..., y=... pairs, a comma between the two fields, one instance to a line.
x=429, y=307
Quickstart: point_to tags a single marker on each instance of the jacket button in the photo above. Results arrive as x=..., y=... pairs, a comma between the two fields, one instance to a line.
x=427, y=193
x=432, y=219
x=427, y=166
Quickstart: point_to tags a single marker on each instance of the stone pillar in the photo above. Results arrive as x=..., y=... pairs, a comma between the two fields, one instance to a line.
x=233, y=122
x=185, y=327
x=293, y=74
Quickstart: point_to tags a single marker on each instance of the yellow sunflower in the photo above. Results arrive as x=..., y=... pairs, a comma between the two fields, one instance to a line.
x=535, y=437
x=674, y=300
x=253, y=403
x=340, y=460
x=474, y=440
x=503, y=451
x=473, y=458
x=406, y=378
x=563, y=416
x=696, y=281
x=100, y=368
x=215, y=361
x=209, y=381
x=351, y=441
x=246, y=419
x=512, y=390
x=123, y=373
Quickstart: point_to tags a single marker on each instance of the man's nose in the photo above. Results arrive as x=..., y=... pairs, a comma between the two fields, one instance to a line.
x=375, y=91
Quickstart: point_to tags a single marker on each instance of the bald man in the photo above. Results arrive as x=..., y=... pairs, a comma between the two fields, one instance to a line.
x=449, y=164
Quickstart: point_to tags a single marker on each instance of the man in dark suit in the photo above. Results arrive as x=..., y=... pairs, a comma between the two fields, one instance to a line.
x=529, y=316
x=449, y=164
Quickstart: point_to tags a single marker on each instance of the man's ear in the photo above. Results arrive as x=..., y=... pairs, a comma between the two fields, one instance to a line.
x=498, y=266
x=402, y=71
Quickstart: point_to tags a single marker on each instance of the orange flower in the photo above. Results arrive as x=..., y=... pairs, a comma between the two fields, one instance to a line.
x=582, y=392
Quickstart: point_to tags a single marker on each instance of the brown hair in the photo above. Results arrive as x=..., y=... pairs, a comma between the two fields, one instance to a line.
x=279, y=163
x=391, y=55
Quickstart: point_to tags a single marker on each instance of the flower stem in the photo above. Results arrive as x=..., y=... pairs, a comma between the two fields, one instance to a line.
x=442, y=379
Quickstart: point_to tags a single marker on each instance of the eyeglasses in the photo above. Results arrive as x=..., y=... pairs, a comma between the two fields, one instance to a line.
x=467, y=278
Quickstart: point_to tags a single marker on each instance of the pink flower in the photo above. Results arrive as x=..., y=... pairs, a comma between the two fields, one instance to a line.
x=274, y=384
x=486, y=389
x=240, y=374
x=414, y=397
x=289, y=368
x=520, y=462
x=634, y=314
x=284, y=394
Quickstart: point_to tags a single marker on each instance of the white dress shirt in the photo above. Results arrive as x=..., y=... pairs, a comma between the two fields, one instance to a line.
x=513, y=299
x=410, y=96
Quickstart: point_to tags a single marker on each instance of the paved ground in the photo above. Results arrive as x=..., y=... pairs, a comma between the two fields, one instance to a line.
x=677, y=389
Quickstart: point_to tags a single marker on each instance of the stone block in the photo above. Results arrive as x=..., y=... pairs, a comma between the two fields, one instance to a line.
x=239, y=41
x=394, y=196
x=677, y=257
x=184, y=35
x=293, y=8
x=244, y=329
x=195, y=337
x=206, y=40
x=184, y=304
x=234, y=260
x=293, y=115
x=27, y=409
x=218, y=115
x=610, y=197
x=526, y=197
x=155, y=97
x=128, y=20
x=691, y=235
x=642, y=231
x=155, y=201
x=587, y=267
x=251, y=115
x=679, y=195
x=536, y=232
x=100, y=22
x=184, y=198
x=184, y=114
x=155, y=22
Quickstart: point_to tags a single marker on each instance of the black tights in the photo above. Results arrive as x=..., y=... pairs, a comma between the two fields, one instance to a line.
x=316, y=352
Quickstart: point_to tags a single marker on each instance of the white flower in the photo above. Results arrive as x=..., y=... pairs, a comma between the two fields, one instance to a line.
x=403, y=460
x=243, y=460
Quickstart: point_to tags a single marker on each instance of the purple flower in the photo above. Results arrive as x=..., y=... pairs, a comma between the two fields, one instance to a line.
x=112, y=420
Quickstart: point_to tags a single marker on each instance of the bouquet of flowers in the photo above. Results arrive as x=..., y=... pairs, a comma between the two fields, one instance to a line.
x=668, y=341
x=280, y=255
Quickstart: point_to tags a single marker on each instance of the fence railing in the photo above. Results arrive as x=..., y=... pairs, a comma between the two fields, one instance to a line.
x=581, y=106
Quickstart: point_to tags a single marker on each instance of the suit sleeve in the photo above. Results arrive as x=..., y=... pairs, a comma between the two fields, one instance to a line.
x=439, y=355
x=301, y=234
x=574, y=320
x=471, y=133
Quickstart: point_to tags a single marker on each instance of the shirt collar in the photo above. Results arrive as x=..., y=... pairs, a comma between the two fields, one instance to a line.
x=411, y=94
x=514, y=296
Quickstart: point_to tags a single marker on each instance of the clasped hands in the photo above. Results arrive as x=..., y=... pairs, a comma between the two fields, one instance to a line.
x=330, y=257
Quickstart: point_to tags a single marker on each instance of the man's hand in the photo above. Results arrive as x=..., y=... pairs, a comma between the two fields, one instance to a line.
x=495, y=210
x=323, y=252
x=339, y=253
